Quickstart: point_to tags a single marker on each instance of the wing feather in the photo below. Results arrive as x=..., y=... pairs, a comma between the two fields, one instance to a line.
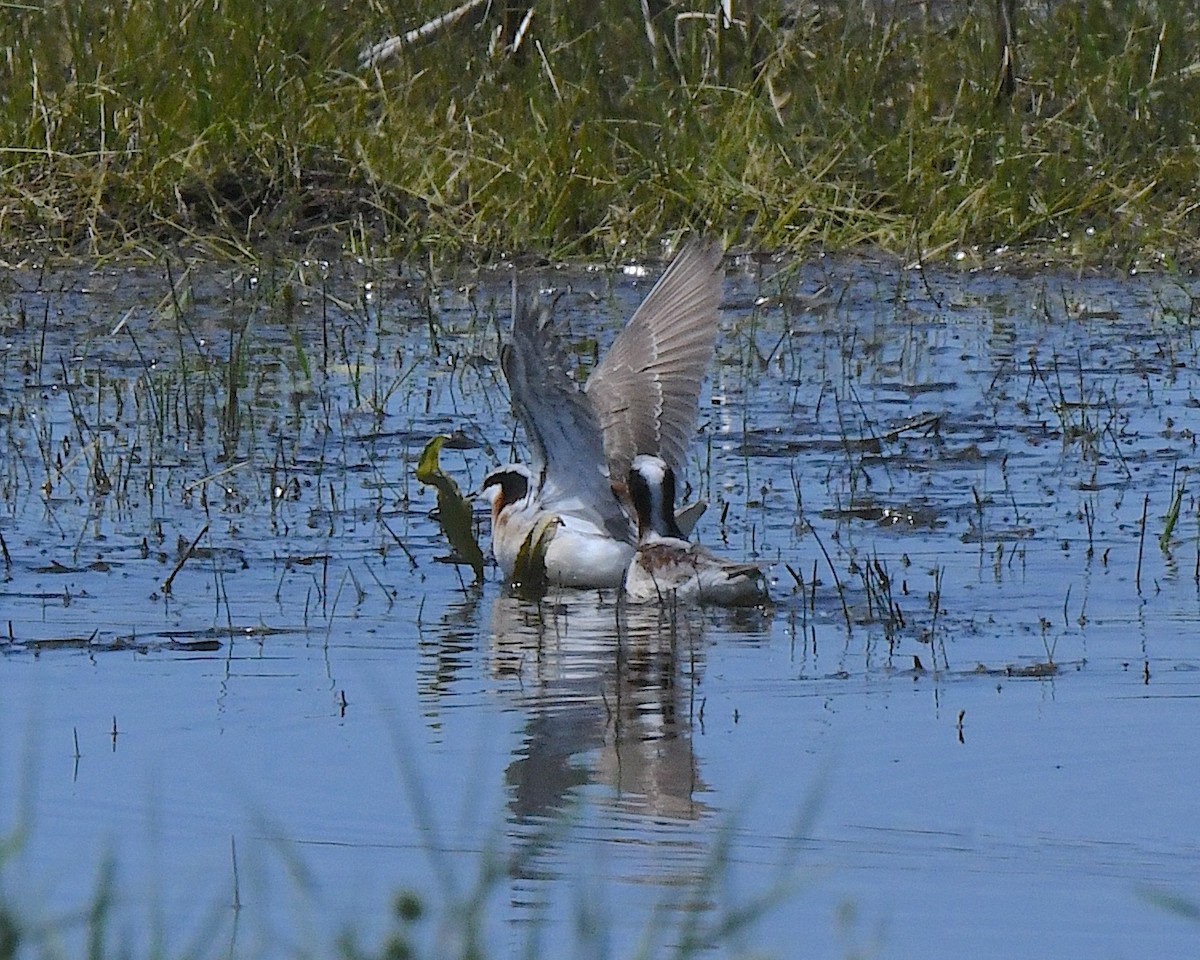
x=559, y=422
x=646, y=390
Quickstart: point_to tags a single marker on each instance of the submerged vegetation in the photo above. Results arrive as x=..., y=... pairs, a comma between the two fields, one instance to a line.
x=584, y=128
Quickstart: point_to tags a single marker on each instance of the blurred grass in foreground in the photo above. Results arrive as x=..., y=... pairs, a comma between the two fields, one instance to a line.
x=699, y=911
x=241, y=126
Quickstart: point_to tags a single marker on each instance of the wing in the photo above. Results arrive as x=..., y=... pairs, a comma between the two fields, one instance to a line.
x=646, y=389
x=559, y=423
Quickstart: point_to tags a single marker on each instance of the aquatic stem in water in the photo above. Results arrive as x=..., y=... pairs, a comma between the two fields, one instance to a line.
x=1172, y=517
x=1141, y=543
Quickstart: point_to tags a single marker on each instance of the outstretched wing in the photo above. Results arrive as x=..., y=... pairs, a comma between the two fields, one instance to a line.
x=646, y=390
x=559, y=423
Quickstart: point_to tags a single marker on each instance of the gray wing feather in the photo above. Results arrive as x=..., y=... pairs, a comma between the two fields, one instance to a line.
x=559, y=423
x=646, y=390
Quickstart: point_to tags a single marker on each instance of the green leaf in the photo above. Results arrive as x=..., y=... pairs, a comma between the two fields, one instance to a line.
x=530, y=579
x=454, y=511
x=1172, y=517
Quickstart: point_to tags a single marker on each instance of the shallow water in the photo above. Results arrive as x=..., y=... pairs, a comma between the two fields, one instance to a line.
x=972, y=734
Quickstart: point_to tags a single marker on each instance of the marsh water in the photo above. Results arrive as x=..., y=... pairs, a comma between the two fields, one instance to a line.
x=245, y=702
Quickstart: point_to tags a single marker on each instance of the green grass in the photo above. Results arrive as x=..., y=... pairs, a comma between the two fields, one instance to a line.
x=243, y=127
x=701, y=914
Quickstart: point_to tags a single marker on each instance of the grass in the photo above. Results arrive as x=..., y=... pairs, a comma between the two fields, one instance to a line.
x=451, y=919
x=241, y=128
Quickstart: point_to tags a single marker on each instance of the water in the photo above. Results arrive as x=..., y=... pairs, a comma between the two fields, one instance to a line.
x=971, y=735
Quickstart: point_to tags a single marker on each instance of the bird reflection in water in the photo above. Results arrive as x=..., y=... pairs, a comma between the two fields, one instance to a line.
x=610, y=693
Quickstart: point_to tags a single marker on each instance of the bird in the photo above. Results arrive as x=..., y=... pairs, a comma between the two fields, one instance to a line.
x=572, y=502
x=666, y=566
x=579, y=548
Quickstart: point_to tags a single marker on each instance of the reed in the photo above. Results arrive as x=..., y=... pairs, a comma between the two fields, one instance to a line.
x=238, y=129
